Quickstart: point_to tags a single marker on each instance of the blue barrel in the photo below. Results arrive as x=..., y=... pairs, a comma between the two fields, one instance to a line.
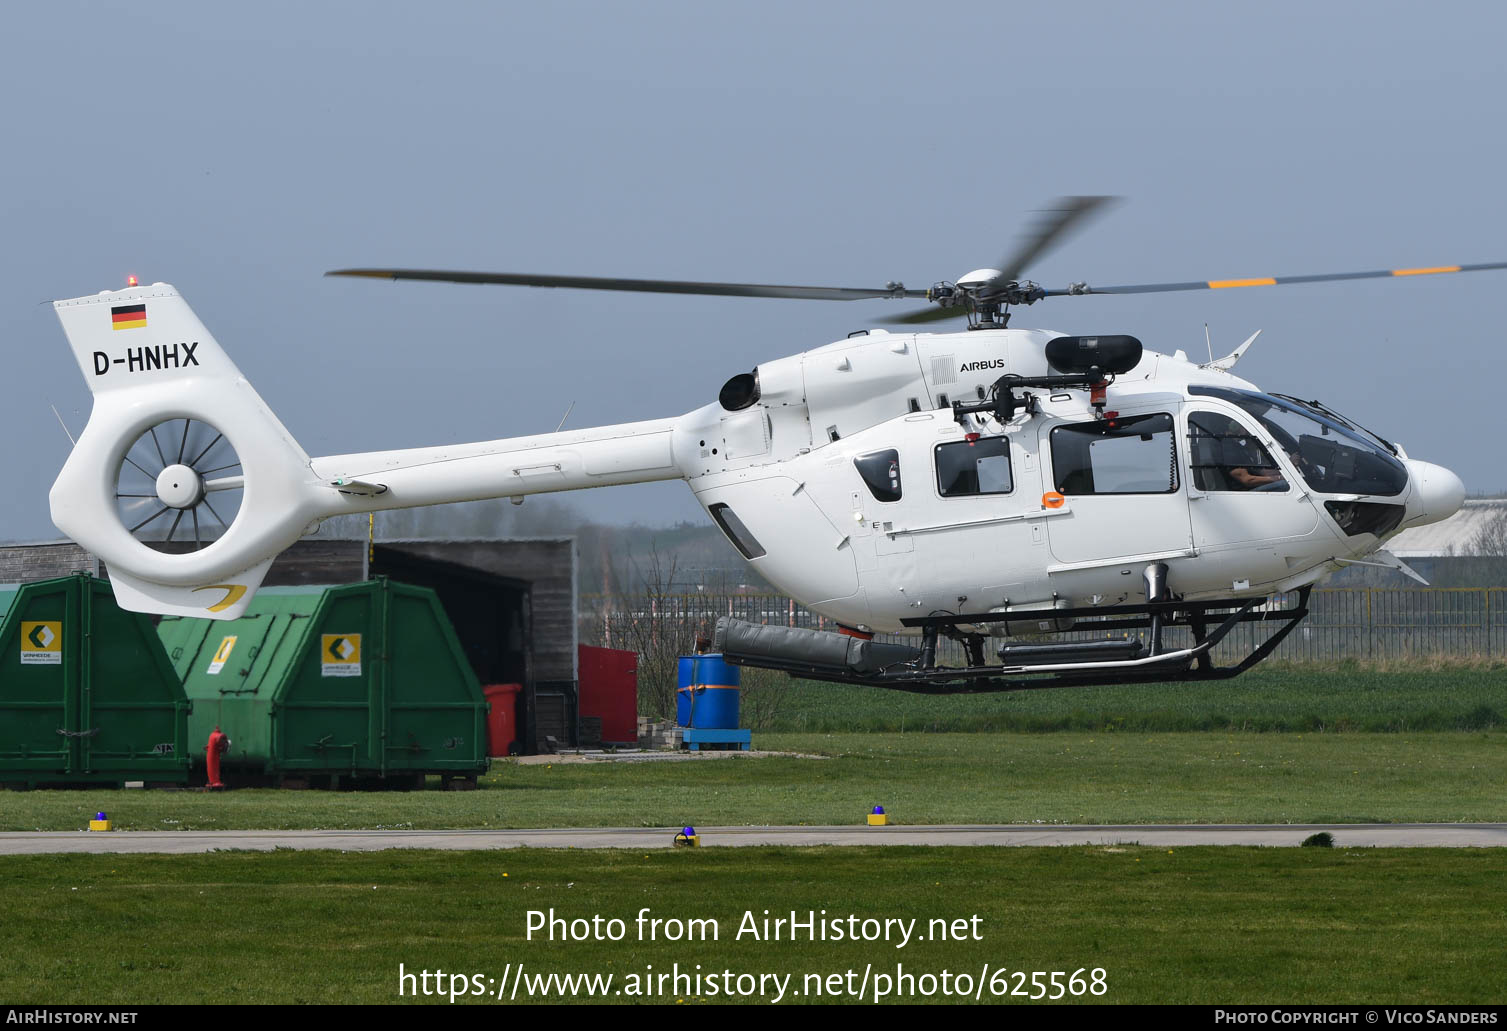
x=708, y=695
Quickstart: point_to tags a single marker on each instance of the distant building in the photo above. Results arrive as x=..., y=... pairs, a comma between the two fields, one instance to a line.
x=1464, y=550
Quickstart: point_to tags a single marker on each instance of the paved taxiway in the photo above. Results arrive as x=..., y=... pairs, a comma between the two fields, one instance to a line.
x=1388, y=835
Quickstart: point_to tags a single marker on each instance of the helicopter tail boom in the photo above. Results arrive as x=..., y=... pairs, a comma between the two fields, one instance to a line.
x=603, y=456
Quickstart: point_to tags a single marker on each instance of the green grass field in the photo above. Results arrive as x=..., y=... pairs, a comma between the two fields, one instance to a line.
x=1278, y=745
x=1068, y=777
x=1197, y=925
x=1193, y=925
x=1270, y=698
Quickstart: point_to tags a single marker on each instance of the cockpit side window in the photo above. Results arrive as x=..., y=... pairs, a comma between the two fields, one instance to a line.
x=1328, y=454
x=1226, y=456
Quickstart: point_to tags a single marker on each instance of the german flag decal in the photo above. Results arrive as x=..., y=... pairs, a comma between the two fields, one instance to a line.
x=128, y=316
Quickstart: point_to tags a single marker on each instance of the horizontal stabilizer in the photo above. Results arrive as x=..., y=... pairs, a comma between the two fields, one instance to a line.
x=225, y=600
x=360, y=488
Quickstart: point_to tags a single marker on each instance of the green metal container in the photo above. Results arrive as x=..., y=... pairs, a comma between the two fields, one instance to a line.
x=87, y=695
x=360, y=683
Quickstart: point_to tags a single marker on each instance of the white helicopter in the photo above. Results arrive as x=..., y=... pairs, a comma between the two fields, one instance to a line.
x=1000, y=482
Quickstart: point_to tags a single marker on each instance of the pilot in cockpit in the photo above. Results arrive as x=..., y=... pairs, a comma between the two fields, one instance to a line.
x=1252, y=477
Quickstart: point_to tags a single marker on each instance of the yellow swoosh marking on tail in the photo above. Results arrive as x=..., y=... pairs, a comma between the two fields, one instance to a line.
x=233, y=593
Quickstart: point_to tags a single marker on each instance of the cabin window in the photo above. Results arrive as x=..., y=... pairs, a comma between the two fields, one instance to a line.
x=1134, y=455
x=747, y=544
x=968, y=468
x=881, y=473
x=1226, y=456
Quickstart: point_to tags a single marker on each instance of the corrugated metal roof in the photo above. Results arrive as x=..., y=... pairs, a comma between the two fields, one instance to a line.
x=1454, y=536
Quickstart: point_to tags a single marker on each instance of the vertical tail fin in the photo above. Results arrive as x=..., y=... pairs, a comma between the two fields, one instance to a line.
x=181, y=452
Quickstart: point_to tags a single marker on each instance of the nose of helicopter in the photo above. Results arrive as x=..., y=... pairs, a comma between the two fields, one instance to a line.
x=1437, y=493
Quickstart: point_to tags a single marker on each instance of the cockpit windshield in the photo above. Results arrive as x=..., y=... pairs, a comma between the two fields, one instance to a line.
x=1319, y=408
x=1332, y=456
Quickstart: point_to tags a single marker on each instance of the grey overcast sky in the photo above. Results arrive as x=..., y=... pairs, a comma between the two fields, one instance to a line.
x=238, y=151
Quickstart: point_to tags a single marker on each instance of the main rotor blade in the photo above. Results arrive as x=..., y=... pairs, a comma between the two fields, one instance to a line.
x=651, y=286
x=1049, y=228
x=1077, y=289
x=921, y=316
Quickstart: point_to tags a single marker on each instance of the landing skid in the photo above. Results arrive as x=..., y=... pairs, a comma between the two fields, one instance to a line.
x=1117, y=659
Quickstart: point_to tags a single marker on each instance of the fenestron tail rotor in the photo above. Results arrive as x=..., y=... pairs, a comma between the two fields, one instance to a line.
x=180, y=481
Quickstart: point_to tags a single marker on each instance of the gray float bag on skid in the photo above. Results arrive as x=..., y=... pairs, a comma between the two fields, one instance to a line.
x=783, y=647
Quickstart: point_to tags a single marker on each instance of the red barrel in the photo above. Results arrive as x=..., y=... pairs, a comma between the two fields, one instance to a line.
x=502, y=721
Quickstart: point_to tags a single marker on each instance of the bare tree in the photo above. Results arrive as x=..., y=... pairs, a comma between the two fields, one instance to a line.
x=651, y=620
x=1487, y=551
x=764, y=695
x=1491, y=538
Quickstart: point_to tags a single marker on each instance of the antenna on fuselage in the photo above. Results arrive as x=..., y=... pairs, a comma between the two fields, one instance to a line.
x=1227, y=363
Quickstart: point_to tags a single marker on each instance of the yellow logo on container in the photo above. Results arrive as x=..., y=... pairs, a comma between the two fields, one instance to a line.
x=42, y=643
x=340, y=655
x=222, y=654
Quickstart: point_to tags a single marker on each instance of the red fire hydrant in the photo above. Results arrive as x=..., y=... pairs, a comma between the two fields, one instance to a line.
x=218, y=745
